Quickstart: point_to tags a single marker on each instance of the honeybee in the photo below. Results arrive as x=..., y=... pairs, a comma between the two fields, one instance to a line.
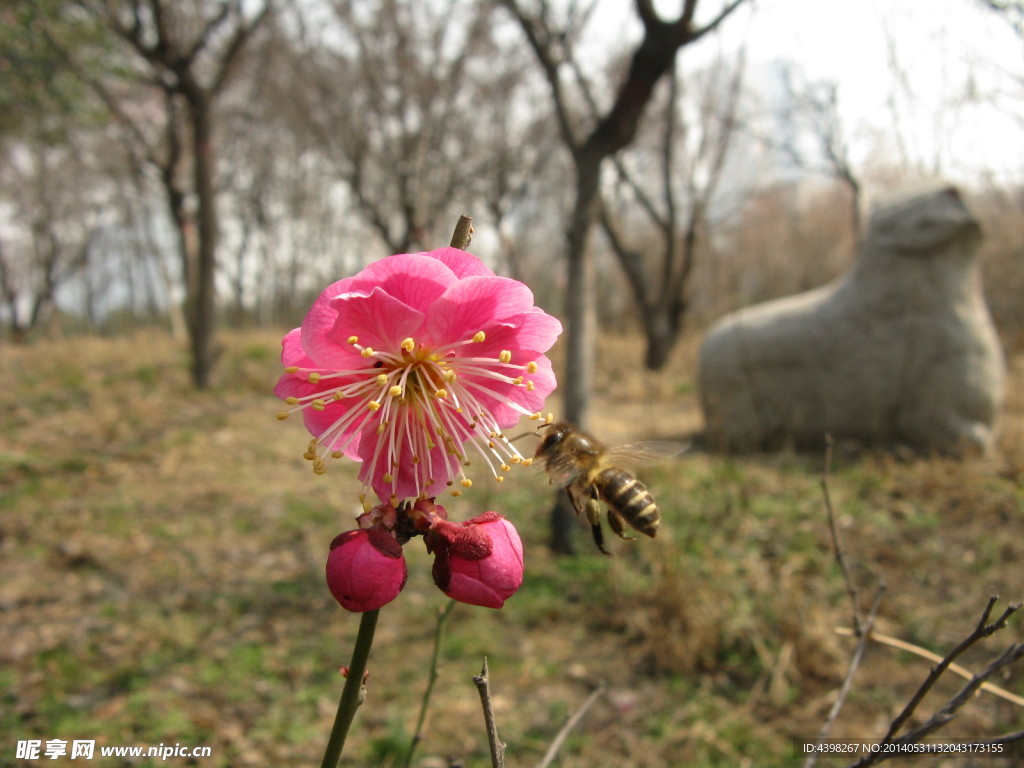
x=589, y=473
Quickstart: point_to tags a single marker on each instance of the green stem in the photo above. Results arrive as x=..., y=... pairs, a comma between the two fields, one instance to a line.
x=350, y=695
x=442, y=618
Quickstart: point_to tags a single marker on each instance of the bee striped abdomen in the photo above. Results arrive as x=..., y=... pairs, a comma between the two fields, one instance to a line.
x=630, y=498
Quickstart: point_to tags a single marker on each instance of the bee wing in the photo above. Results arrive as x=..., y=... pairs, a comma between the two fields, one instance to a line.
x=561, y=469
x=646, y=452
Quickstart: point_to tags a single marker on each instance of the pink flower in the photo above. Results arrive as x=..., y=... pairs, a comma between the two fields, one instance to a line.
x=479, y=562
x=407, y=363
x=365, y=569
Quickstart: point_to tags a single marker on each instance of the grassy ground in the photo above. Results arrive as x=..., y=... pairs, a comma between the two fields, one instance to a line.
x=162, y=550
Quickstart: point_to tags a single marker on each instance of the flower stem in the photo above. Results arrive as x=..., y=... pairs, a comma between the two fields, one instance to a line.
x=442, y=618
x=351, y=695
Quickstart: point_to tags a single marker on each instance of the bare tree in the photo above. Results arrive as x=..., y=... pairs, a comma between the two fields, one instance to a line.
x=392, y=95
x=815, y=109
x=604, y=136
x=186, y=55
x=54, y=223
x=689, y=155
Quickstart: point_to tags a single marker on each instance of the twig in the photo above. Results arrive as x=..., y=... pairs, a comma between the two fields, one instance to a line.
x=844, y=689
x=949, y=710
x=463, y=234
x=837, y=549
x=494, y=743
x=924, y=653
x=549, y=756
x=982, y=630
x=442, y=618
x=352, y=694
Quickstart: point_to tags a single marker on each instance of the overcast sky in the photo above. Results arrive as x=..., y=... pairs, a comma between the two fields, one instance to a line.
x=947, y=49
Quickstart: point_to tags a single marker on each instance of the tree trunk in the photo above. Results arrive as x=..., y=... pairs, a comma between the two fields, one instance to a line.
x=581, y=318
x=202, y=317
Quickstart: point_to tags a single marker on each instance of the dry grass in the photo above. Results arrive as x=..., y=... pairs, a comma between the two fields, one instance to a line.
x=162, y=553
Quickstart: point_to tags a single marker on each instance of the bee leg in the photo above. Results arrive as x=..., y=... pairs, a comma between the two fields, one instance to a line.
x=618, y=524
x=594, y=516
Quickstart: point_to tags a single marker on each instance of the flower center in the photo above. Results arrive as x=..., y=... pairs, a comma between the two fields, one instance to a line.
x=424, y=403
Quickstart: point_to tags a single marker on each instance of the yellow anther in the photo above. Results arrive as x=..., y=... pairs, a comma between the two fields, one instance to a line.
x=527, y=462
x=313, y=378
x=455, y=492
x=339, y=395
x=450, y=375
x=282, y=415
x=382, y=378
x=319, y=467
x=395, y=391
x=336, y=454
x=505, y=356
x=490, y=443
x=516, y=459
x=388, y=477
x=381, y=427
x=499, y=478
x=517, y=380
x=408, y=344
x=367, y=352
x=353, y=339
x=530, y=386
x=318, y=404
x=531, y=367
x=373, y=405
x=292, y=400
x=535, y=416
x=506, y=468
x=291, y=369
x=466, y=483
x=479, y=336
x=550, y=418
x=441, y=394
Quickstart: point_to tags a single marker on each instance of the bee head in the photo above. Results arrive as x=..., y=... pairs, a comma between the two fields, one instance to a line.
x=555, y=434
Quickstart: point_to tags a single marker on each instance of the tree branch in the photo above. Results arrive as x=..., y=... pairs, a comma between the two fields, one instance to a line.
x=482, y=682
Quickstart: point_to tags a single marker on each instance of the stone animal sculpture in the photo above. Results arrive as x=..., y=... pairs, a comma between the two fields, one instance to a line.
x=900, y=351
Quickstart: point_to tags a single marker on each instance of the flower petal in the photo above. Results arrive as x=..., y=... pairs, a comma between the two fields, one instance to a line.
x=414, y=279
x=378, y=319
x=318, y=324
x=462, y=263
x=475, y=303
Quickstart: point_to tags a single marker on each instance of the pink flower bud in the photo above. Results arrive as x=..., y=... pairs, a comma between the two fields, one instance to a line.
x=365, y=569
x=479, y=562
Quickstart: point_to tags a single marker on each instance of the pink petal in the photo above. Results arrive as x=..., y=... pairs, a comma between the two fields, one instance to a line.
x=377, y=319
x=475, y=303
x=530, y=330
x=462, y=263
x=318, y=323
x=414, y=279
x=292, y=352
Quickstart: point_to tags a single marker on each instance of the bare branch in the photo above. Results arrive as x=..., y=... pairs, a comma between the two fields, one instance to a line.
x=948, y=711
x=566, y=729
x=847, y=684
x=482, y=682
x=463, y=234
